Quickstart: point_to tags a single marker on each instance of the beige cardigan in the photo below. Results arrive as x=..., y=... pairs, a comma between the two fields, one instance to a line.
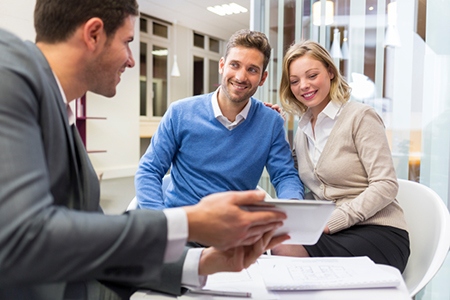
x=355, y=170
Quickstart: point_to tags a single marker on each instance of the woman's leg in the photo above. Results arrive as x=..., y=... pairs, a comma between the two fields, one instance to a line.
x=290, y=250
x=383, y=244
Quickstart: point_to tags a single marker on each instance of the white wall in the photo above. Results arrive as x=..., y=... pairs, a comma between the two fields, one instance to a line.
x=194, y=15
x=181, y=87
x=119, y=133
x=17, y=16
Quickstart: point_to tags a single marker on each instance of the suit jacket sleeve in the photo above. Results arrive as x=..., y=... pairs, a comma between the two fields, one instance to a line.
x=41, y=239
x=171, y=275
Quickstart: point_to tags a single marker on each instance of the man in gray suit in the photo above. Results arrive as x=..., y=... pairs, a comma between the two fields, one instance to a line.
x=54, y=241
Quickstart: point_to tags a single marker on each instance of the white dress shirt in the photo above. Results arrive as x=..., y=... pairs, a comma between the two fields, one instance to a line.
x=318, y=137
x=224, y=120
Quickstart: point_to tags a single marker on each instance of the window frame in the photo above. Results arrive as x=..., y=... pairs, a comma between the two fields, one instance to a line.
x=151, y=41
x=207, y=56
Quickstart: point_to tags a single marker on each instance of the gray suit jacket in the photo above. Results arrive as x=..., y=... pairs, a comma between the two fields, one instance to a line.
x=54, y=238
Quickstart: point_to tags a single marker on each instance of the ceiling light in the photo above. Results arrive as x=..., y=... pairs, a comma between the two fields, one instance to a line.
x=335, y=50
x=160, y=52
x=317, y=13
x=227, y=9
x=175, y=70
x=344, y=49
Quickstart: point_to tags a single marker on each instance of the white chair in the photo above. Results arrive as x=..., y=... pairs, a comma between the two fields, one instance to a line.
x=133, y=204
x=429, y=232
x=267, y=194
x=165, y=183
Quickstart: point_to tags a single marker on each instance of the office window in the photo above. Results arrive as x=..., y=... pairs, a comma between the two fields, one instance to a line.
x=199, y=40
x=159, y=82
x=205, y=64
x=199, y=74
x=143, y=79
x=214, y=45
x=213, y=75
x=160, y=30
x=154, y=65
x=143, y=25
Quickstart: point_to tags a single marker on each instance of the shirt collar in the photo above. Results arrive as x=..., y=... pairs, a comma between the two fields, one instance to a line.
x=332, y=110
x=70, y=115
x=218, y=112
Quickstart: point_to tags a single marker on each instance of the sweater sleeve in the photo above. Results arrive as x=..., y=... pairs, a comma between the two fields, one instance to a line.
x=375, y=156
x=155, y=163
x=280, y=165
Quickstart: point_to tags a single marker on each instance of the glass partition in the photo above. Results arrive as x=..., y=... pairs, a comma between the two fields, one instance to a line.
x=396, y=56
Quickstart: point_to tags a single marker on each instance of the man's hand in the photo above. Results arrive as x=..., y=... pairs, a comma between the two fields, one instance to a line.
x=238, y=258
x=217, y=220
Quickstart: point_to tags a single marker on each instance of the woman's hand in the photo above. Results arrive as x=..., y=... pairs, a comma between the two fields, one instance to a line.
x=276, y=108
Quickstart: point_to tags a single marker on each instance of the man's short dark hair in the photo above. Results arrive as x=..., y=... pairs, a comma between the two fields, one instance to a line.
x=56, y=20
x=250, y=39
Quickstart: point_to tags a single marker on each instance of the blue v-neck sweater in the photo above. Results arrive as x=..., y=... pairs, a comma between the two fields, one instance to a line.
x=205, y=157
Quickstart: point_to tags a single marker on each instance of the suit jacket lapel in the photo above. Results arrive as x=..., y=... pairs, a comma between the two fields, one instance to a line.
x=76, y=199
x=90, y=193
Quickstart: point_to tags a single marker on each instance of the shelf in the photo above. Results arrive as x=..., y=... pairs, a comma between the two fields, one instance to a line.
x=80, y=121
x=96, y=151
x=90, y=118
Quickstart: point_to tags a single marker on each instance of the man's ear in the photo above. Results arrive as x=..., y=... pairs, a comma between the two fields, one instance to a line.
x=221, y=65
x=93, y=33
x=263, y=78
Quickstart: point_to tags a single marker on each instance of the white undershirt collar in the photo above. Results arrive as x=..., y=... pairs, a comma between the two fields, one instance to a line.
x=222, y=119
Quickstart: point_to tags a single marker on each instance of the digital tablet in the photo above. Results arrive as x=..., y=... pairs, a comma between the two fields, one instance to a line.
x=305, y=221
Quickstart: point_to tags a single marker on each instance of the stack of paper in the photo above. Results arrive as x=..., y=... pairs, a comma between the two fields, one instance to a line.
x=247, y=283
x=293, y=273
x=279, y=273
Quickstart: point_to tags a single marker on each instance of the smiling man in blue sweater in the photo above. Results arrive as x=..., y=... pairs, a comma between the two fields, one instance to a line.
x=220, y=141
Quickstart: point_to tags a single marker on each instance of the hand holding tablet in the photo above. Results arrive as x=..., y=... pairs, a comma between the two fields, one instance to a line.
x=306, y=219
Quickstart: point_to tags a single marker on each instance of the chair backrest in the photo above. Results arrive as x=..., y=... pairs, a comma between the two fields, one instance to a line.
x=261, y=189
x=429, y=232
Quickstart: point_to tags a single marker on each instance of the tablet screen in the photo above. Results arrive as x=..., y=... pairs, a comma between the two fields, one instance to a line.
x=305, y=221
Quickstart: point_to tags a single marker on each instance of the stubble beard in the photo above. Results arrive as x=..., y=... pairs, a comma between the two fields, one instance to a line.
x=237, y=99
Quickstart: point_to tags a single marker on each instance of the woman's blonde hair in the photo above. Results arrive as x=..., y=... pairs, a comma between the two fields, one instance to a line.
x=339, y=88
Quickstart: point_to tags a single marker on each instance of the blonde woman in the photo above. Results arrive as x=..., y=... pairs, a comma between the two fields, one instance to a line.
x=342, y=155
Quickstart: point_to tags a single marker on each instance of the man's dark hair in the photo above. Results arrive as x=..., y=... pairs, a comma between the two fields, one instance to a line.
x=56, y=20
x=250, y=39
